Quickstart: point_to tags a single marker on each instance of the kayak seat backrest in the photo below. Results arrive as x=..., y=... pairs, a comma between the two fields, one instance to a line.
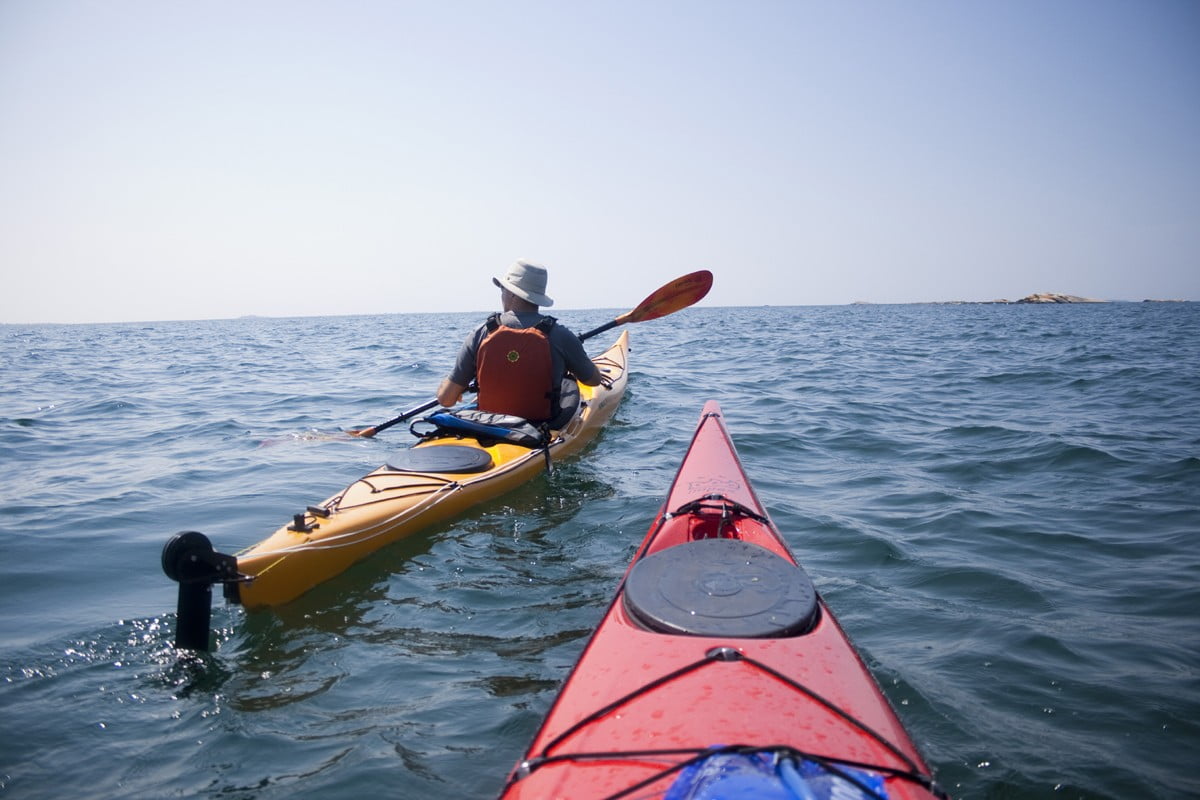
x=448, y=458
x=481, y=425
x=721, y=588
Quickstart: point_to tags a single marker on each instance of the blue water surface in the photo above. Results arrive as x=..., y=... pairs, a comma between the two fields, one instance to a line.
x=1001, y=504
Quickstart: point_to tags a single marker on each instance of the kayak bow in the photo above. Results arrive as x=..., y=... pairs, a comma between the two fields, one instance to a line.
x=717, y=670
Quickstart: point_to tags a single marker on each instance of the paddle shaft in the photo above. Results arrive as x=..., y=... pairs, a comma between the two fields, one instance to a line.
x=412, y=412
x=612, y=323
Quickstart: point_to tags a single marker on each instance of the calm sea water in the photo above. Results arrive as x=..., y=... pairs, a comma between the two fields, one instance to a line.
x=1001, y=503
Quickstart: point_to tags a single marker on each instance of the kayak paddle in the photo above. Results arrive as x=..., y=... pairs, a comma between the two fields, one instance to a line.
x=674, y=296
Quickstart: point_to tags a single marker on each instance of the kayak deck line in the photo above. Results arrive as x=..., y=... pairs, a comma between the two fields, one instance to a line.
x=716, y=657
x=380, y=529
x=671, y=765
x=719, y=655
x=383, y=506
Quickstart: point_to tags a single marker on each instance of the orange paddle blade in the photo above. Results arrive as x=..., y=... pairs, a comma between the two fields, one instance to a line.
x=679, y=293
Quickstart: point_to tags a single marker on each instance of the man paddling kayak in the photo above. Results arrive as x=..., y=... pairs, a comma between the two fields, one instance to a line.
x=433, y=481
x=520, y=357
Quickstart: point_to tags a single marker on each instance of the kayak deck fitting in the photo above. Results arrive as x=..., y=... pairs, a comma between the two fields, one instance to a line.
x=437, y=479
x=717, y=670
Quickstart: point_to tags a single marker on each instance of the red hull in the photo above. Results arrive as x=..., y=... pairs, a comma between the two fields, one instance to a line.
x=636, y=693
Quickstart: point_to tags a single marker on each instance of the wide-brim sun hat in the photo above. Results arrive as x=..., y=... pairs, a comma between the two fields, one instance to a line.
x=527, y=281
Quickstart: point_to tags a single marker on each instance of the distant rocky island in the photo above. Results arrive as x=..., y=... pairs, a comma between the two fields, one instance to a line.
x=1049, y=297
x=1042, y=298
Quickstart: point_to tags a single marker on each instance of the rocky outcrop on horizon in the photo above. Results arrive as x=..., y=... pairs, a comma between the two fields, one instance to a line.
x=1042, y=298
x=1050, y=297
x=1045, y=297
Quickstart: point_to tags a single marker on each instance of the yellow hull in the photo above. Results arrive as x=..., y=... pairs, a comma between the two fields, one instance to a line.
x=389, y=504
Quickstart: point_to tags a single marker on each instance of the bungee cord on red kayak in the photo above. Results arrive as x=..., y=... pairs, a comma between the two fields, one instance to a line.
x=697, y=756
x=718, y=655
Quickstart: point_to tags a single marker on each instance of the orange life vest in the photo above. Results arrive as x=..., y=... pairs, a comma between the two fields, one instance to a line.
x=515, y=370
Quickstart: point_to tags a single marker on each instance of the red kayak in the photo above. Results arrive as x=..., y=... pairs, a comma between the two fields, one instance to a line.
x=718, y=671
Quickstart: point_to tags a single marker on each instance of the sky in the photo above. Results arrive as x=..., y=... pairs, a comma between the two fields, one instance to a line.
x=163, y=159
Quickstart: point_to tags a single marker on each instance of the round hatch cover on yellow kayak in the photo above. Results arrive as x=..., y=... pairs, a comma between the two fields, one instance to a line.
x=450, y=458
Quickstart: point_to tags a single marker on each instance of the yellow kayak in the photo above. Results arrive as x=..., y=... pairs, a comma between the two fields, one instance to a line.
x=468, y=458
x=392, y=502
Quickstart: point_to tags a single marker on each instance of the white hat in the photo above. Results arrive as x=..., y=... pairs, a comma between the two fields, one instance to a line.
x=527, y=281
